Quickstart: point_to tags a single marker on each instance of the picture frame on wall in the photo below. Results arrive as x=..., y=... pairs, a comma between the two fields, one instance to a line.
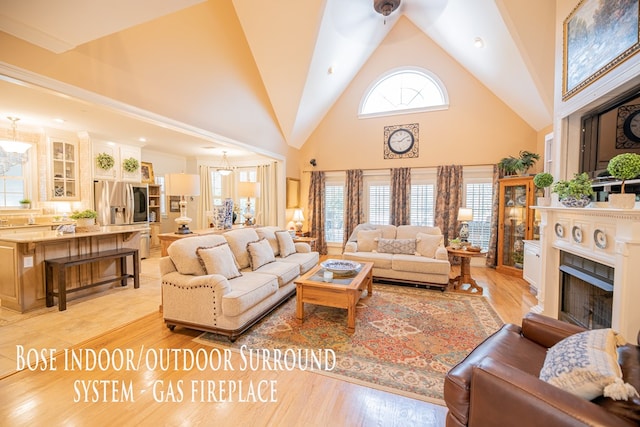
x=146, y=173
x=174, y=203
x=598, y=36
x=293, y=193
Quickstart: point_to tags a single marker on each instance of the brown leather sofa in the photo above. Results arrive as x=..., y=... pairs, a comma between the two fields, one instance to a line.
x=497, y=384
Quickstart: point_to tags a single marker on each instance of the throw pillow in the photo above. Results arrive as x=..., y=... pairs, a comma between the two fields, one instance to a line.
x=397, y=246
x=586, y=365
x=427, y=244
x=260, y=253
x=368, y=240
x=285, y=243
x=218, y=260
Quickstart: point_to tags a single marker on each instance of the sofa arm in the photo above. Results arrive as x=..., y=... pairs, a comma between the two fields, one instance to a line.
x=166, y=266
x=193, y=299
x=351, y=247
x=504, y=395
x=547, y=331
x=441, y=253
x=302, y=247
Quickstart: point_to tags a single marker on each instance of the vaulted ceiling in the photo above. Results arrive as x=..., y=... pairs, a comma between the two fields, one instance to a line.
x=307, y=52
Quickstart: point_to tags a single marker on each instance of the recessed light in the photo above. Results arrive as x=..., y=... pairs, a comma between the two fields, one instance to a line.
x=142, y=139
x=478, y=42
x=58, y=120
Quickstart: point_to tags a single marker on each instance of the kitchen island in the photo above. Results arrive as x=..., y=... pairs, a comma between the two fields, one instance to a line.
x=23, y=255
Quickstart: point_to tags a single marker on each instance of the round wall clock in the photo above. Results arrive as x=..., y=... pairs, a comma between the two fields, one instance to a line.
x=631, y=126
x=400, y=141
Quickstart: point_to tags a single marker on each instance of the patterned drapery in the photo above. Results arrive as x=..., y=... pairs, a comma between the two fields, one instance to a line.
x=448, y=200
x=400, y=213
x=317, y=210
x=491, y=260
x=354, y=212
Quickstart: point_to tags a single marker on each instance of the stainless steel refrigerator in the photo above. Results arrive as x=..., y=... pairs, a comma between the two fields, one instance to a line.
x=123, y=203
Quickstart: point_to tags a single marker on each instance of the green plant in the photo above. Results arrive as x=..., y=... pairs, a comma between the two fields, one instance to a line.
x=131, y=164
x=24, y=201
x=105, y=161
x=577, y=187
x=624, y=166
x=543, y=180
x=518, y=257
x=87, y=213
x=515, y=165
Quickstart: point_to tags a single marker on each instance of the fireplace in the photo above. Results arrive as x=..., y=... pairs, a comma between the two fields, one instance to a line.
x=586, y=292
x=589, y=265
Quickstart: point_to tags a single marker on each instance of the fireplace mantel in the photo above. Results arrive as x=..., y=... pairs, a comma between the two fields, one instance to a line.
x=605, y=235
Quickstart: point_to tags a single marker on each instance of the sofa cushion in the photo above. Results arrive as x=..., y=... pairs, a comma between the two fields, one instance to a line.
x=247, y=291
x=284, y=271
x=306, y=260
x=260, y=253
x=218, y=260
x=238, y=240
x=410, y=231
x=397, y=246
x=585, y=364
x=367, y=240
x=379, y=260
x=183, y=253
x=418, y=264
x=427, y=244
x=285, y=243
x=269, y=233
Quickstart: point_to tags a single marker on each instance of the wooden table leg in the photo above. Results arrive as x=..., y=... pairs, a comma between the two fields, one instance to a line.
x=351, y=311
x=62, y=287
x=465, y=278
x=299, y=303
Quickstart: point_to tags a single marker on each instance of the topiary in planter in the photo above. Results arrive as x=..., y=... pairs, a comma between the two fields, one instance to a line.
x=623, y=167
x=543, y=180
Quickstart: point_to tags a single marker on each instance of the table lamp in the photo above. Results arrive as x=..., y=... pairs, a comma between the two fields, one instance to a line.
x=182, y=184
x=464, y=215
x=248, y=190
x=298, y=217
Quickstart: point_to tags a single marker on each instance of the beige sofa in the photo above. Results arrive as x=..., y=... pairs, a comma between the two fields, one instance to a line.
x=224, y=283
x=405, y=254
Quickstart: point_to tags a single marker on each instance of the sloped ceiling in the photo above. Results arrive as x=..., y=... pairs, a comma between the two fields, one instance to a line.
x=307, y=52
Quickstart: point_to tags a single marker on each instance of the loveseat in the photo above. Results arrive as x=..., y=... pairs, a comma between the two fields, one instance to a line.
x=498, y=383
x=224, y=283
x=406, y=253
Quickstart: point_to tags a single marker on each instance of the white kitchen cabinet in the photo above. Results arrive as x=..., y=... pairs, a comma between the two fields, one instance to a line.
x=63, y=174
x=129, y=152
x=532, y=265
x=119, y=153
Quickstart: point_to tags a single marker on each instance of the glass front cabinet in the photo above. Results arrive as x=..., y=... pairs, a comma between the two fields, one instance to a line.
x=517, y=222
x=64, y=168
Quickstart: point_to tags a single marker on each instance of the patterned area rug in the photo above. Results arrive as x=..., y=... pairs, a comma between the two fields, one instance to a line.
x=406, y=339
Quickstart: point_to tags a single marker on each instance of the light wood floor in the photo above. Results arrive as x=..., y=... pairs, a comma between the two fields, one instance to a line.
x=47, y=397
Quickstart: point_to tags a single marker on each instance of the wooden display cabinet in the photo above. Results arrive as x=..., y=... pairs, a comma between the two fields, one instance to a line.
x=516, y=223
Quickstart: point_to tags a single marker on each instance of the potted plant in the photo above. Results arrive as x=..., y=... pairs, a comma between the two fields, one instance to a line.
x=543, y=180
x=85, y=218
x=518, y=165
x=25, y=203
x=105, y=161
x=623, y=167
x=575, y=193
x=130, y=165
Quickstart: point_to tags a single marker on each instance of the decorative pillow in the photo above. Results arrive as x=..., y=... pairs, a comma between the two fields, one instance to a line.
x=397, y=246
x=285, y=243
x=218, y=260
x=269, y=234
x=260, y=253
x=368, y=240
x=586, y=364
x=427, y=244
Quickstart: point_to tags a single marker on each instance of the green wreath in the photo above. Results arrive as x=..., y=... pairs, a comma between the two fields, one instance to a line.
x=105, y=161
x=130, y=165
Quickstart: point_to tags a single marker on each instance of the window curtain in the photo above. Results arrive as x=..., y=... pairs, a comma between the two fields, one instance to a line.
x=448, y=200
x=317, y=210
x=206, y=197
x=266, y=206
x=491, y=260
x=400, y=196
x=354, y=212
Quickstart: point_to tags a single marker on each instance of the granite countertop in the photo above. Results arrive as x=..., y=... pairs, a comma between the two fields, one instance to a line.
x=43, y=236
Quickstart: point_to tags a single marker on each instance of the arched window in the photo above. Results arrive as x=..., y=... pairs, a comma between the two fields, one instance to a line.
x=405, y=90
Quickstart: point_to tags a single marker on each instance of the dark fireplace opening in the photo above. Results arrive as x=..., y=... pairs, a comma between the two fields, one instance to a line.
x=586, y=292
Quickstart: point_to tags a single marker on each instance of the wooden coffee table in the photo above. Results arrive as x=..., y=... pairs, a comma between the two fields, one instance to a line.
x=341, y=292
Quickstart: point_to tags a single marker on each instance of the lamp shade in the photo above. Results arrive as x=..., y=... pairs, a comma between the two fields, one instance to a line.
x=465, y=214
x=249, y=189
x=182, y=184
x=14, y=146
x=297, y=215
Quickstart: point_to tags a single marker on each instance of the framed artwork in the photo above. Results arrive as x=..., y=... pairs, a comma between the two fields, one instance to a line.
x=293, y=193
x=598, y=36
x=174, y=203
x=146, y=172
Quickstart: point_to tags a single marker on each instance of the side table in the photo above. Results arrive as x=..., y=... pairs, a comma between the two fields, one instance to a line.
x=465, y=271
x=310, y=240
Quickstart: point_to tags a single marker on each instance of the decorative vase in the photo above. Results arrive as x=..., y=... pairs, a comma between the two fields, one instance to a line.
x=622, y=201
x=575, y=202
x=543, y=201
x=25, y=205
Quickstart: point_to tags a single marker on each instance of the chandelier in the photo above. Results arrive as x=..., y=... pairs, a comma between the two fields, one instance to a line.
x=226, y=168
x=12, y=151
